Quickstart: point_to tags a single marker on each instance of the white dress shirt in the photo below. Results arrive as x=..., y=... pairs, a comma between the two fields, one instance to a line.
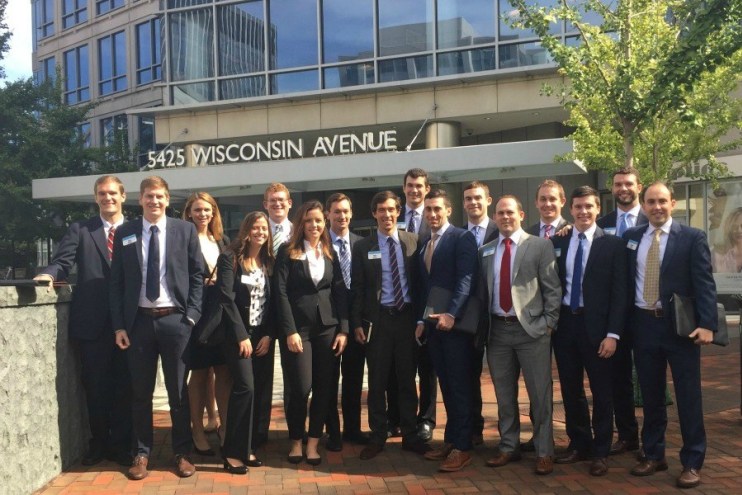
x=641, y=261
x=499, y=251
x=316, y=264
x=482, y=230
x=165, y=300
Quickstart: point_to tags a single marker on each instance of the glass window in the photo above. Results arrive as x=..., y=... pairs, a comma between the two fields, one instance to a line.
x=146, y=138
x=113, y=128
x=112, y=63
x=149, y=65
x=76, y=75
x=294, y=82
x=348, y=30
x=83, y=133
x=192, y=45
x=103, y=6
x=74, y=12
x=349, y=75
x=465, y=22
x=523, y=54
x=295, y=25
x=508, y=12
x=242, y=87
x=405, y=26
x=44, y=18
x=176, y=4
x=193, y=93
x=467, y=61
x=47, y=71
x=241, y=38
x=401, y=69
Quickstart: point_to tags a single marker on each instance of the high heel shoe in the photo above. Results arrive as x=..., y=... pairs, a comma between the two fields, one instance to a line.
x=253, y=462
x=295, y=459
x=206, y=452
x=234, y=469
x=314, y=461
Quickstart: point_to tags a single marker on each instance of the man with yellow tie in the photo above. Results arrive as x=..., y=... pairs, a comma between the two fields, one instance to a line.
x=667, y=258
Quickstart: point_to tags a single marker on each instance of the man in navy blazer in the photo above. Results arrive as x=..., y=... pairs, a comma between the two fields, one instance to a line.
x=105, y=372
x=448, y=259
x=667, y=258
x=592, y=271
x=156, y=289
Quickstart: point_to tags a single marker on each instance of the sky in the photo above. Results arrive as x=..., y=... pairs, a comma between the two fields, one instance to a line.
x=17, y=61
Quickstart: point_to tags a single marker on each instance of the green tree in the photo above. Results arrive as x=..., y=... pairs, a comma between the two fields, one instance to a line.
x=4, y=35
x=650, y=85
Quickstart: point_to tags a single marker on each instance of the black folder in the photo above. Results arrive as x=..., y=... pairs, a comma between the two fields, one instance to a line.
x=438, y=301
x=684, y=315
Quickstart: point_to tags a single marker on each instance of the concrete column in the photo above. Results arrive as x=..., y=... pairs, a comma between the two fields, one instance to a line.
x=442, y=135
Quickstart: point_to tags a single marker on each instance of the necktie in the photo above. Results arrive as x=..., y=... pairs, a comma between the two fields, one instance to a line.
x=344, y=260
x=153, y=265
x=475, y=230
x=576, y=289
x=429, y=251
x=652, y=271
x=547, y=231
x=506, y=296
x=623, y=225
x=109, y=242
x=411, y=222
x=277, y=238
x=396, y=278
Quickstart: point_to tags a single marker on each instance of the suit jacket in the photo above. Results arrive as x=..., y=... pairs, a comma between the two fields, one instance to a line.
x=452, y=267
x=85, y=245
x=535, y=229
x=300, y=305
x=366, y=280
x=536, y=291
x=424, y=230
x=354, y=238
x=686, y=270
x=489, y=235
x=609, y=221
x=480, y=339
x=184, y=271
x=604, y=283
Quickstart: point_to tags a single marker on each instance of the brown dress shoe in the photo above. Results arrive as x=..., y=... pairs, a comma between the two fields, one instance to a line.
x=138, y=469
x=439, y=454
x=456, y=461
x=544, y=465
x=621, y=446
x=371, y=450
x=649, y=467
x=502, y=458
x=571, y=457
x=689, y=478
x=599, y=467
x=183, y=466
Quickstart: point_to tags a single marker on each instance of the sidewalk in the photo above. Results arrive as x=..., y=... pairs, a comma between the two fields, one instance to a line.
x=395, y=471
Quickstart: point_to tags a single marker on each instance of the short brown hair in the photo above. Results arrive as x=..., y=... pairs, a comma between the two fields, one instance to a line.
x=440, y=193
x=416, y=173
x=276, y=187
x=154, y=182
x=476, y=184
x=382, y=197
x=336, y=198
x=628, y=171
x=583, y=191
x=514, y=198
x=552, y=183
x=104, y=179
x=215, y=225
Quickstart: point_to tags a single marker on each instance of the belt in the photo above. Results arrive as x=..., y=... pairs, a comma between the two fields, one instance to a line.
x=577, y=311
x=654, y=312
x=393, y=310
x=506, y=319
x=158, y=312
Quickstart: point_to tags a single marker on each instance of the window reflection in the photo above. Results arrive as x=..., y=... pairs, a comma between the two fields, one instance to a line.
x=295, y=23
x=523, y=54
x=241, y=38
x=191, y=44
x=465, y=22
x=348, y=27
x=349, y=75
x=401, y=69
x=193, y=93
x=466, y=61
x=294, y=82
x=509, y=13
x=242, y=87
x=405, y=26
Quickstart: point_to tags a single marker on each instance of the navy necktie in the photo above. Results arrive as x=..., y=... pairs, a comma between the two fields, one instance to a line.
x=411, y=222
x=576, y=290
x=153, y=265
x=344, y=261
x=396, y=278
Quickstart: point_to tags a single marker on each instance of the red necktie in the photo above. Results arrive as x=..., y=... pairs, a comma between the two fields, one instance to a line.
x=506, y=297
x=109, y=242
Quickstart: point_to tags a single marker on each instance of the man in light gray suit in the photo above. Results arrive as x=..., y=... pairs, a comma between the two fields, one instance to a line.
x=520, y=289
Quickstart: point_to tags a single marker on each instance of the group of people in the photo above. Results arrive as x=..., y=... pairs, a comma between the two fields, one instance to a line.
x=417, y=298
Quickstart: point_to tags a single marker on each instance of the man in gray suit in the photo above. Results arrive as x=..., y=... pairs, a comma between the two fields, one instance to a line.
x=520, y=288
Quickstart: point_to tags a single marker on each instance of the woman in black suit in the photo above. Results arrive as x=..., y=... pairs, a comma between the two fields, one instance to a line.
x=312, y=317
x=245, y=295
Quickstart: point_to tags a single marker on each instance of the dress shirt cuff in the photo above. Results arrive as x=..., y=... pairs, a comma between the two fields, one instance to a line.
x=613, y=336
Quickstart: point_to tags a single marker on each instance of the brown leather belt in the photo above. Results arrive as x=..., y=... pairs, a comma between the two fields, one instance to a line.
x=158, y=312
x=655, y=312
x=506, y=319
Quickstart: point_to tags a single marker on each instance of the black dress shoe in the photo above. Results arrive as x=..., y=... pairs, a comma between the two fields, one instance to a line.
x=649, y=467
x=235, y=469
x=371, y=450
x=570, y=457
x=334, y=444
x=295, y=459
x=356, y=437
x=253, y=462
x=424, y=432
x=93, y=457
x=621, y=446
x=394, y=431
x=418, y=447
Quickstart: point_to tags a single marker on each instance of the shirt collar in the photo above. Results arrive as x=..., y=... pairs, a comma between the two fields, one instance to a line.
x=286, y=224
x=335, y=237
x=107, y=225
x=664, y=228
x=634, y=212
x=419, y=210
x=160, y=224
x=383, y=237
x=589, y=233
x=308, y=247
x=554, y=224
x=485, y=223
x=515, y=237
x=441, y=231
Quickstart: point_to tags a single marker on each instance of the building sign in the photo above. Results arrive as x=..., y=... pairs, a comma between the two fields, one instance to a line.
x=274, y=149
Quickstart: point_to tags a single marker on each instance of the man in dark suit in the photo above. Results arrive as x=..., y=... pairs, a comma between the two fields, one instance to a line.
x=477, y=200
x=667, y=258
x=105, y=372
x=448, y=260
x=550, y=199
x=156, y=290
x=383, y=318
x=339, y=211
x=592, y=270
x=626, y=189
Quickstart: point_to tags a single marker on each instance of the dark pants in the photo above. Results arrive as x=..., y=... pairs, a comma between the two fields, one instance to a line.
x=332, y=422
x=310, y=371
x=105, y=377
x=655, y=345
x=477, y=420
x=576, y=354
x=428, y=386
x=353, y=362
x=450, y=353
x=167, y=337
x=391, y=349
x=623, y=392
x=238, y=439
x=262, y=369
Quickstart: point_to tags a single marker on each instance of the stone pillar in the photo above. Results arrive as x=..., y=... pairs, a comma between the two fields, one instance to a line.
x=442, y=135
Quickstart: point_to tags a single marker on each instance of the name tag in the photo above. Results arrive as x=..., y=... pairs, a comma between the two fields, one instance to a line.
x=401, y=226
x=557, y=252
x=129, y=239
x=632, y=245
x=488, y=252
x=610, y=230
x=374, y=255
x=245, y=279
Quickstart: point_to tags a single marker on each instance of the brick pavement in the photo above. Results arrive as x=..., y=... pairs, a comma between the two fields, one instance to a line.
x=398, y=472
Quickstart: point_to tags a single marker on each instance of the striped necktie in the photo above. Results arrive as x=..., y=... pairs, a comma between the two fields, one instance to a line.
x=277, y=238
x=344, y=253
x=396, y=277
x=411, y=222
x=109, y=242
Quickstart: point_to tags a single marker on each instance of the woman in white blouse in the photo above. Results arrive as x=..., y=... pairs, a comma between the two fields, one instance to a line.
x=312, y=322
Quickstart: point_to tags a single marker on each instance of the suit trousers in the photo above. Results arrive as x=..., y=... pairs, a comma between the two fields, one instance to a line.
x=332, y=422
x=391, y=350
x=624, y=410
x=167, y=337
x=310, y=371
x=451, y=353
x=238, y=439
x=477, y=361
x=351, y=365
x=510, y=349
x=105, y=377
x=655, y=345
x=428, y=387
x=262, y=370
x=576, y=354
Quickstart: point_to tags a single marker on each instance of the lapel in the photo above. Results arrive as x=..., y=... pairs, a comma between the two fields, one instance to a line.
x=138, y=226
x=327, y=277
x=376, y=263
x=98, y=234
x=593, y=252
x=672, y=242
x=563, y=244
x=442, y=241
x=171, y=244
x=520, y=254
x=488, y=262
